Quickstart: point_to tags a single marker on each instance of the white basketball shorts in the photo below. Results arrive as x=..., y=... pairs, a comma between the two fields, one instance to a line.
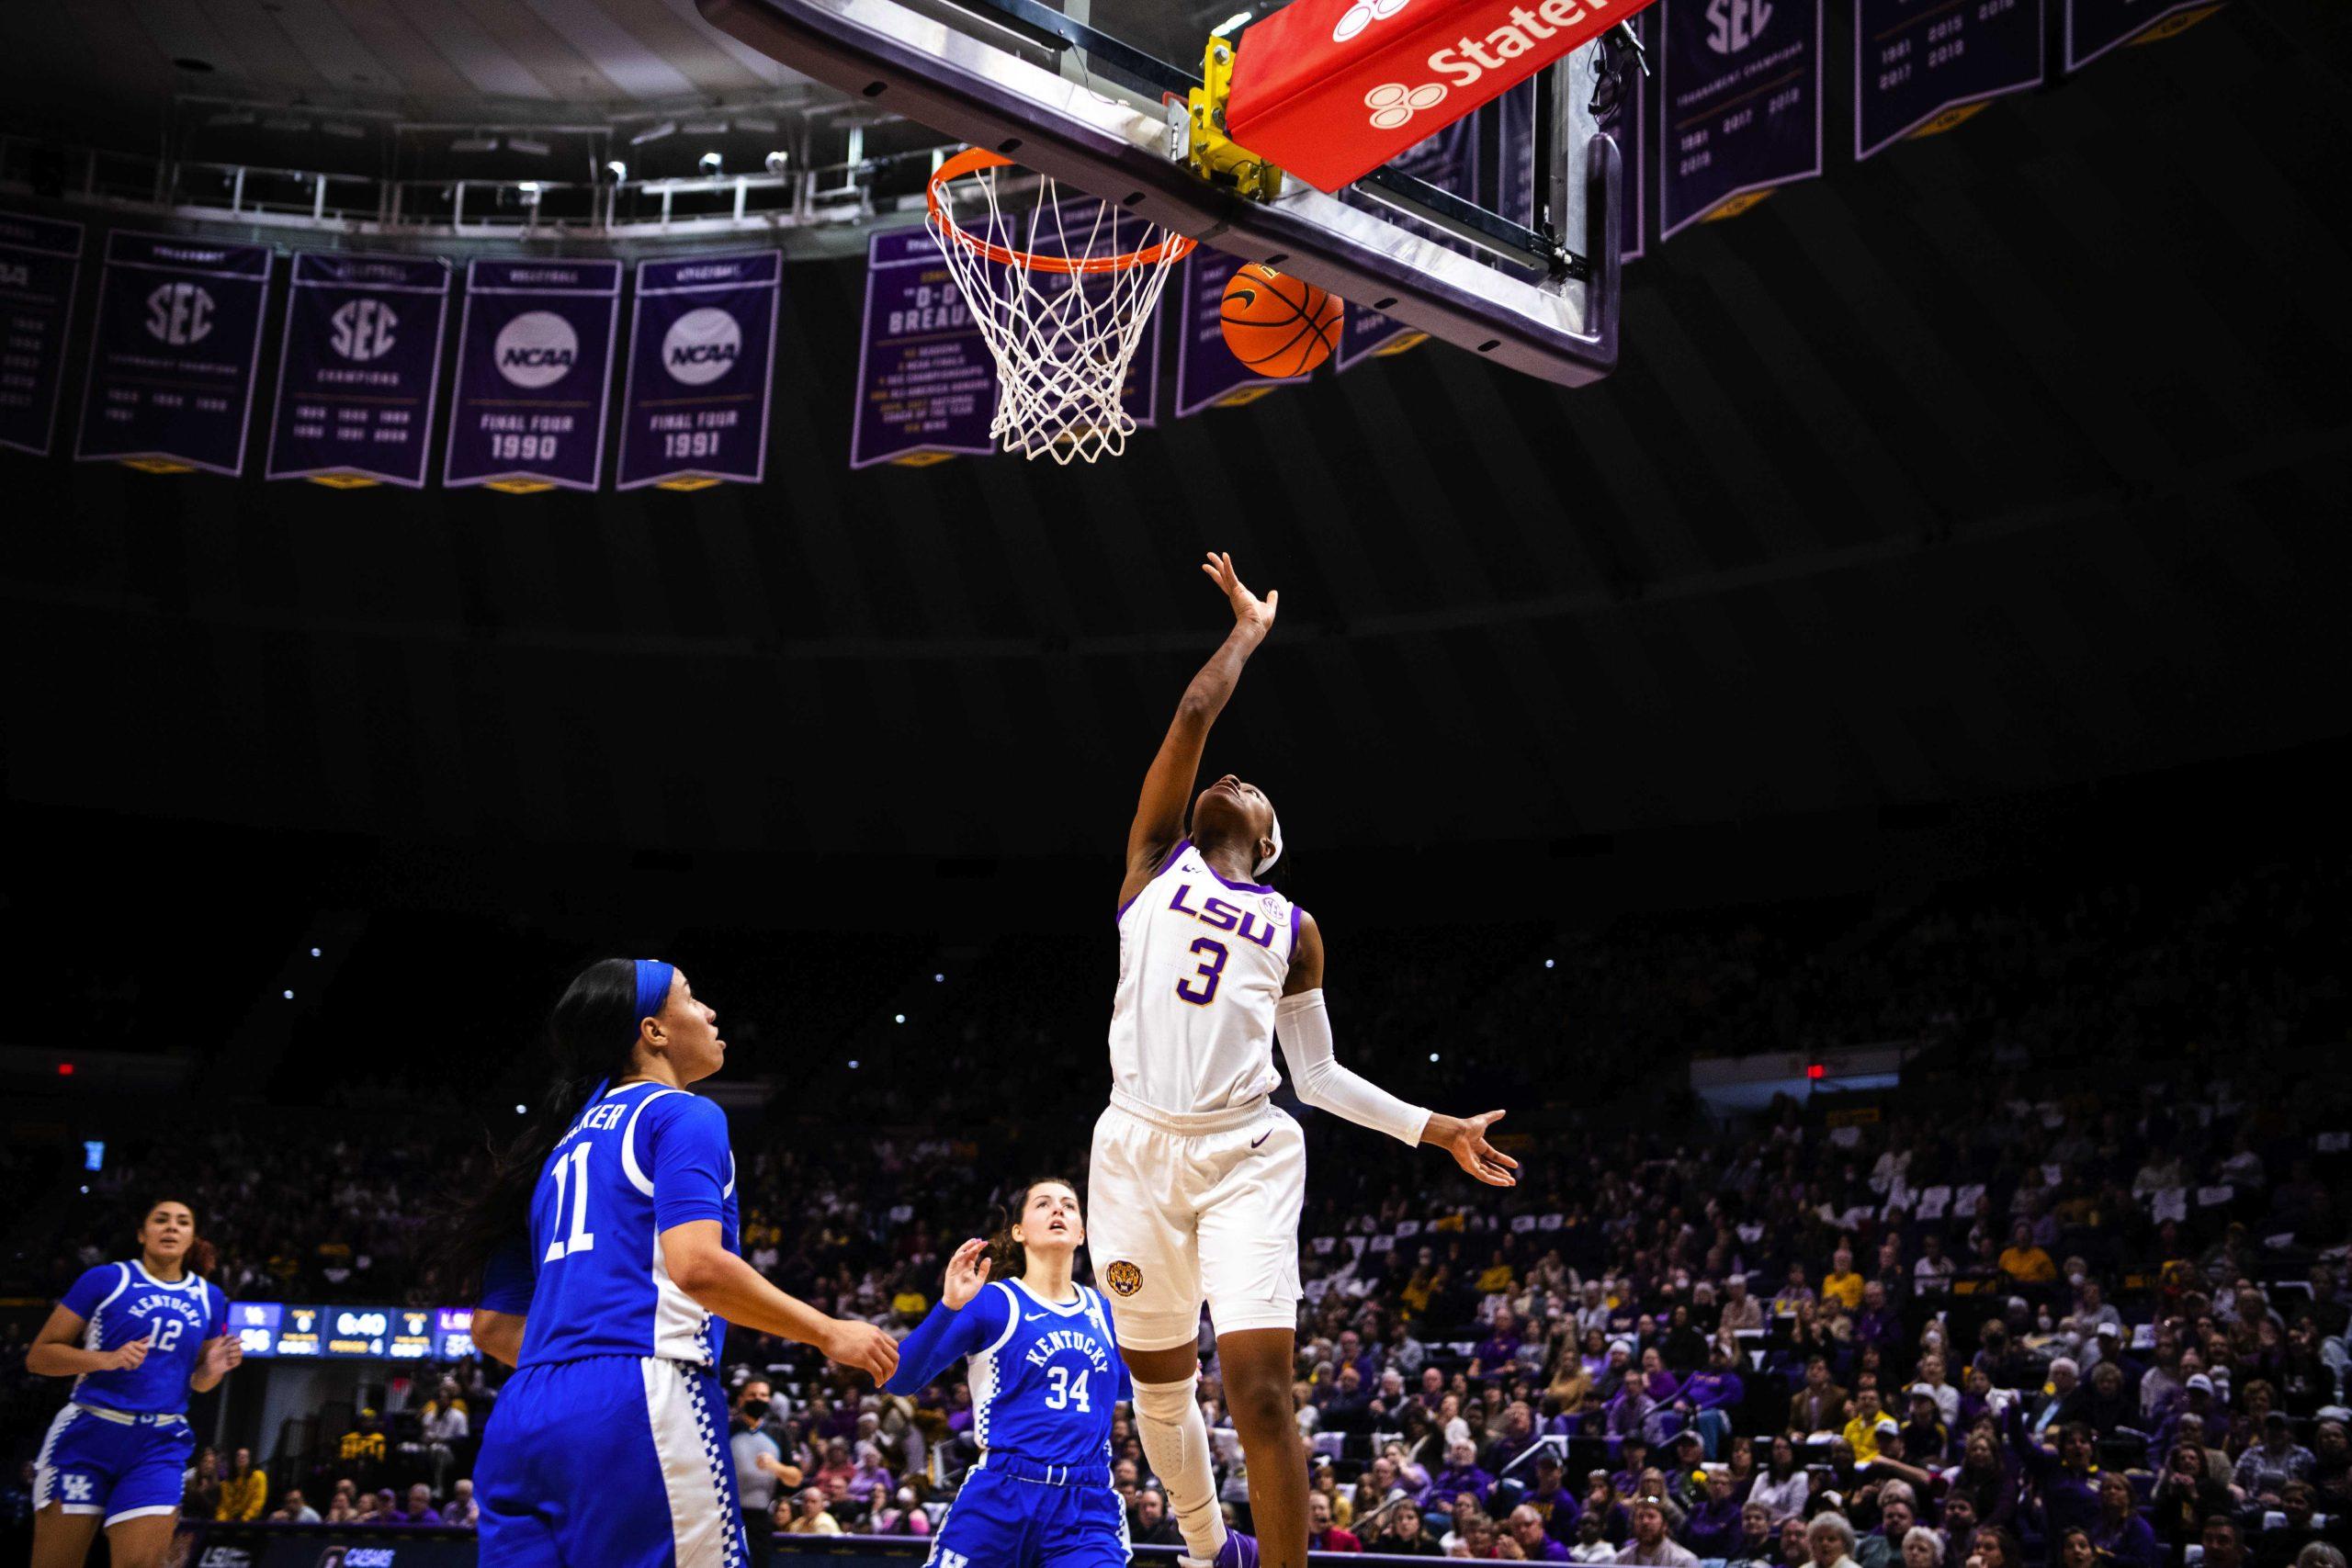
x=1183, y=1209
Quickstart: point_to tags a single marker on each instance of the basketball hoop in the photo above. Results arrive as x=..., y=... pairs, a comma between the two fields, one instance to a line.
x=1061, y=305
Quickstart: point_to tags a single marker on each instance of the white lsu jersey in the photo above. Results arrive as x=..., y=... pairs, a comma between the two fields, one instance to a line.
x=1202, y=964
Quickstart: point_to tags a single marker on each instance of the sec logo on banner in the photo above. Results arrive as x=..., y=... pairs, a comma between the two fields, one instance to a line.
x=536, y=348
x=179, y=313
x=1733, y=25
x=361, y=328
x=701, y=347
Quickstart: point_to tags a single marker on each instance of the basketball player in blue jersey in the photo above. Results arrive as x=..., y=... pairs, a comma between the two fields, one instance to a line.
x=1197, y=1177
x=608, y=1446
x=1046, y=1378
x=135, y=1337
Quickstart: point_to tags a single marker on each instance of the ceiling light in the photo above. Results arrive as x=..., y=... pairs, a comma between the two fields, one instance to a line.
x=348, y=132
x=710, y=162
x=776, y=162
x=705, y=128
x=759, y=123
x=529, y=145
x=474, y=144
x=654, y=133
x=619, y=170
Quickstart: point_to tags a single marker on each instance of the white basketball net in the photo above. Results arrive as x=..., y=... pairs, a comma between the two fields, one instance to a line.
x=1062, y=292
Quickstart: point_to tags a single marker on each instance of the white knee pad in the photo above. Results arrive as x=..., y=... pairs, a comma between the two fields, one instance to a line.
x=1176, y=1441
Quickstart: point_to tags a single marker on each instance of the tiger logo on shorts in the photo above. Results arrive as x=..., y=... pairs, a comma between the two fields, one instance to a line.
x=1124, y=1278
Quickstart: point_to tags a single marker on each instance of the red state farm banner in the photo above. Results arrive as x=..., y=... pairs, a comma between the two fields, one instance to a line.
x=1329, y=90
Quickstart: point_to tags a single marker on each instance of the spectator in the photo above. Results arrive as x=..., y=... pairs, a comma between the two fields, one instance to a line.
x=2024, y=1261
x=420, y=1510
x=1830, y=1540
x=1593, y=1544
x=1781, y=1486
x=760, y=1470
x=2119, y=1534
x=1402, y=1535
x=1994, y=1547
x=1931, y=1276
x=2225, y=1548
x=200, y=1498
x=1652, y=1546
x=812, y=1515
x=1714, y=1528
x=1758, y=1535
x=1741, y=1311
x=1841, y=1284
x=2185, y=1497
x=244, y=1491
x=461, y=1510
x=1862, y=1431
x=902, y=1515
x=1551, y=1499
x=1922, y=1548
x=1820, y=1405
x=1898, y=1512
x=2263, y=1467
x=293, y=1510
x=1322, y=1533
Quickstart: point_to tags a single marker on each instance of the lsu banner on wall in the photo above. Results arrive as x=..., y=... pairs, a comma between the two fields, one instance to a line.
x=1206, y=371
x=1922, y=66
x=1449, y=161
x=926, y=386
x=2094, y=26
x=359, y=370
x=1741, y=80
x=40, y=264
x=534, y=373
x=171, y=358
x=701, y=358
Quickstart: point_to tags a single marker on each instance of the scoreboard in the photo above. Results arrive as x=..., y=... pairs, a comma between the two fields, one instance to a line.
x=277, y=1331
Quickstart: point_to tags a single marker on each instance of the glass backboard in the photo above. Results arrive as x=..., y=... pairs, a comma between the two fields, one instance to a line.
x=1081, y=89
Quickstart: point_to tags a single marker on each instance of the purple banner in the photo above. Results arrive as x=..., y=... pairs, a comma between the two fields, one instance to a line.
x=1922, y=66
x=926, y=386
x=1741, y=80
x=1450, y=161
x=2094, y=26
x=172, y=353
x=1206, y=371
x=40, y=266
x=535, y=371
x=701, y=359
x=360, y=369
x=1518, y=189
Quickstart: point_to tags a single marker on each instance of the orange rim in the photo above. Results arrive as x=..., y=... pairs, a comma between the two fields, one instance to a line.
x=972, y=160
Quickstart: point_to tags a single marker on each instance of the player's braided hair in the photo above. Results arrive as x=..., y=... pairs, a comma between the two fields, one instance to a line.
x=1008, y=1259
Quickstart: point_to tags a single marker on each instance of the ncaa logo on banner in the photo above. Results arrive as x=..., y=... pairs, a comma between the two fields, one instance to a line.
x=362, y=329
x=701, y=347
x=179, y=314
x=1733, y=25
x=536, y=348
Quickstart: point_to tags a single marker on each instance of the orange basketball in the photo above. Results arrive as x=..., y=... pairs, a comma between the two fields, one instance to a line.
x=1278, y=325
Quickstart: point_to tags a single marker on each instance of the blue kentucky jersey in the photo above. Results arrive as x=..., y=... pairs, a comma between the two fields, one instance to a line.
x=643, y=1159
x=122, y=1301
x=1045, y=1375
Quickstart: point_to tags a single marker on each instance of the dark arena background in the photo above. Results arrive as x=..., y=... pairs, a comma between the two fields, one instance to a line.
x=1863, y=786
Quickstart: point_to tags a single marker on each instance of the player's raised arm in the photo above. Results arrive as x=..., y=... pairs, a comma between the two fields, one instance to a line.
x=1303, y=1024
x=1168, y=786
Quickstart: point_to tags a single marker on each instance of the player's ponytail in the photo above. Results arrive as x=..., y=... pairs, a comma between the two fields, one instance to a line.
x=1008, y=1259
x=591, y=1034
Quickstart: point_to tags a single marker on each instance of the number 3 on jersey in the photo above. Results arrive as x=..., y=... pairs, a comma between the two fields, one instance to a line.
x=1065, y=1394
x=1210, y=968
x=571, y=1171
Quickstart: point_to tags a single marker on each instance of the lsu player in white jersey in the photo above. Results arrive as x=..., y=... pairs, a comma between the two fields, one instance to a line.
x=1197, y=1177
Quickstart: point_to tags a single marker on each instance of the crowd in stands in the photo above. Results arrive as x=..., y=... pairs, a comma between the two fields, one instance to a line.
x=2072, y=1294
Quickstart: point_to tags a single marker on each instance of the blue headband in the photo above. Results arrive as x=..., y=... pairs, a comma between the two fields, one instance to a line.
x=652, y=987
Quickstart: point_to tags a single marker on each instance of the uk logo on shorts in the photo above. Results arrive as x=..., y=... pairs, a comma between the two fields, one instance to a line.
x=1124, y=1278
x=77, y=1487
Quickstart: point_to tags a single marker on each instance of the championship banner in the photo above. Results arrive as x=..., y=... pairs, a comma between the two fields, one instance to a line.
x=1516, y=196
x=701, y=360
x=926, y=386
x=1923, y=66
x=360, y=369
x=1206, y=372
x=2094, y=26
x=173, y=354
x=1449, y=161
x=534, y=362
x=41, y=268
x=1742, y=83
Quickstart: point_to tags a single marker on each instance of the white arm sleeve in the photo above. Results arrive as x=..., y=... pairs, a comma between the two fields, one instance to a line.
x=1304, y=1026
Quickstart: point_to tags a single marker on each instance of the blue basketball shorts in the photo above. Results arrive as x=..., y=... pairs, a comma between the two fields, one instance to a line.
x=999, y=1520
x=610, y=1461
x=118, y=1470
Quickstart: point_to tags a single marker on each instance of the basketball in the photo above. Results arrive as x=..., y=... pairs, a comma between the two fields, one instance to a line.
x=1278, y=326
